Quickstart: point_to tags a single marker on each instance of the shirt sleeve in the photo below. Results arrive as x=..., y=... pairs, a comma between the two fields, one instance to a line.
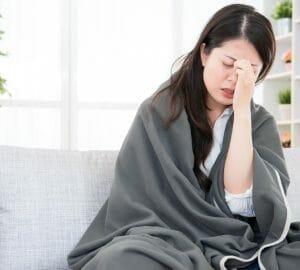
x=241, y=204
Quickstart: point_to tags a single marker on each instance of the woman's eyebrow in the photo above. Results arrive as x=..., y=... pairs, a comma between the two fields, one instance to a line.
x=236, y=59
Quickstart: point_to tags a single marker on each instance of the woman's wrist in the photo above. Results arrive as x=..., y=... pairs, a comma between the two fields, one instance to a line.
x=242, y=113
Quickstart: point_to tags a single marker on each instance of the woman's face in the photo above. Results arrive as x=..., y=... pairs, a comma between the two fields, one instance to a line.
x=219, y=73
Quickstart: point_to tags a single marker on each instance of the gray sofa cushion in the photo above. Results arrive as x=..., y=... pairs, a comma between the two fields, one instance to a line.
x=48, y=198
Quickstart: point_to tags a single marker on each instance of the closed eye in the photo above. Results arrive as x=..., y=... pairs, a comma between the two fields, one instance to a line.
x=227, y=65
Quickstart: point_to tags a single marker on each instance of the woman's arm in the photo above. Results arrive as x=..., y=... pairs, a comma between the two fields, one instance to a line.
x=238, y=171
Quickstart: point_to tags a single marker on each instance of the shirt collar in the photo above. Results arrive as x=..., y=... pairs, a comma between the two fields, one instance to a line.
x=227, y=111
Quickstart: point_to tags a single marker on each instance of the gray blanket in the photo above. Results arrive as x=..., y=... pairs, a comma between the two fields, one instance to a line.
x=157, y=205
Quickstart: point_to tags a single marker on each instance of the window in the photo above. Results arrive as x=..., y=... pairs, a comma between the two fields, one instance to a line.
x=78, y=70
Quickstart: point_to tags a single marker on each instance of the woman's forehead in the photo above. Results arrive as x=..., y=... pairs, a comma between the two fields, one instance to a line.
x=239, y=49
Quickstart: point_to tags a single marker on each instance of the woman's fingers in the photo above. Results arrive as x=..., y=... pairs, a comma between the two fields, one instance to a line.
x=244, y=66
x=245, y=84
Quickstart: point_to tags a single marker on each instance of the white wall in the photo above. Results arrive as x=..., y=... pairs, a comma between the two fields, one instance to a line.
x=197, y=13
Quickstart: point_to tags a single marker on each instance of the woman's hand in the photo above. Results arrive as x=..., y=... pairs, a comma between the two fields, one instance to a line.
x=244, y=87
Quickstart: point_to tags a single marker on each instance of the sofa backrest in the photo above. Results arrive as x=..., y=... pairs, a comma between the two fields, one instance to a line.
x=292, y=157
x=49, y=197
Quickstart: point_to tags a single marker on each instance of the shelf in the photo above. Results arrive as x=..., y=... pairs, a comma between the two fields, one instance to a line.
x=284, y=122
x=287, y=122
x=282, y=75
x=280, y=78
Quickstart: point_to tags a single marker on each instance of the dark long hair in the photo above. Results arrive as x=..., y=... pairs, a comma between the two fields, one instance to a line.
x=187, y=85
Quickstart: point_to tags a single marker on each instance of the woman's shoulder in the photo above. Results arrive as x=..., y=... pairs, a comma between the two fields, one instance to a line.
x=159, y=100
x=260, y=115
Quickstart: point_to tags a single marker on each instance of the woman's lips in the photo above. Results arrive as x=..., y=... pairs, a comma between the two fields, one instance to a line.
x=228, y=92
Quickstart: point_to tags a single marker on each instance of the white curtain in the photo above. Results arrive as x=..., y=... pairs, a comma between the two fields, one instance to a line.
x=78, y=69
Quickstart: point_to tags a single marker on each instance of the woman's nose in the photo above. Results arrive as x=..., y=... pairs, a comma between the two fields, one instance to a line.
x=232, y=76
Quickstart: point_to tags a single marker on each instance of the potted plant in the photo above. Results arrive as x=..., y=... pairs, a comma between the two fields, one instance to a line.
x=284, y=99
x=282, y=13
x=3, y=90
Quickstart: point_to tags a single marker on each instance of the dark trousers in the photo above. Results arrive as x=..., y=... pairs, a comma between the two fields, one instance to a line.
x=252, y=266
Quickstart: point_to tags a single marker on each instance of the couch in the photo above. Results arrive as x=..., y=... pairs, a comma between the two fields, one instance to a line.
x=49, y=197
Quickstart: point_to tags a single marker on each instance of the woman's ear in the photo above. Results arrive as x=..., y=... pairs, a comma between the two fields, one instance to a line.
x=203, y=54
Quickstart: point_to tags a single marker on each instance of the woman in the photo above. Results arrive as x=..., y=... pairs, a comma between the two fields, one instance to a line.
x=200, y=179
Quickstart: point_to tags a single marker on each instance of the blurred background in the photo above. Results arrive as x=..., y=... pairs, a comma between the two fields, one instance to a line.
x=74, y=72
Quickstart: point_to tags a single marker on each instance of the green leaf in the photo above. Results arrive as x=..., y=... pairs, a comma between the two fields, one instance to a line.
x=283, y=9
x=284, y=96
x=3, y=90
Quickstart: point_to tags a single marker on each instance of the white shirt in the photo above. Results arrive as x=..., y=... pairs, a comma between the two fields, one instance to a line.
x=241, y=204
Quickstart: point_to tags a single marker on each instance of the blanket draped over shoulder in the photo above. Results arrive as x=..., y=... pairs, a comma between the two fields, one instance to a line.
x=157, y=206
